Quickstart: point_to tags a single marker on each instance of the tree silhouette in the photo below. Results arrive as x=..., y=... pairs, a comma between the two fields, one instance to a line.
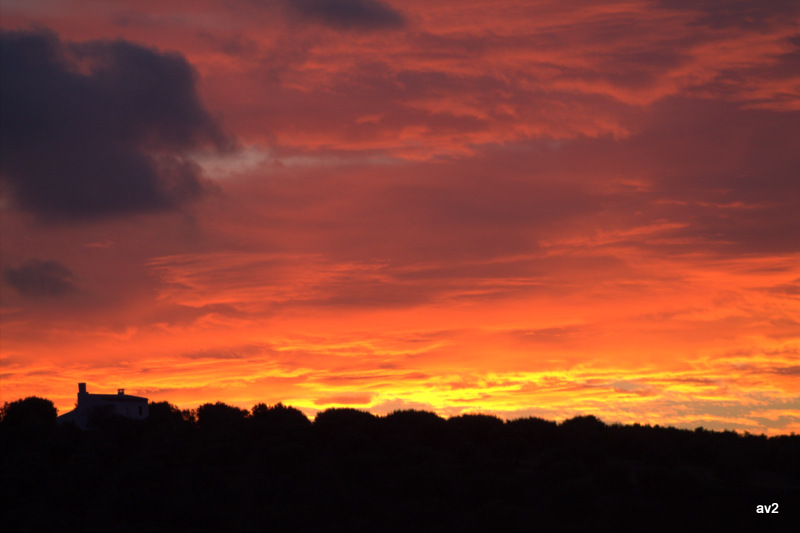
x=164, y=413
x=414, y=420
x=345, y=419
x=476, y=427
x=219, y=467
x=584, y=424
x=220, y=417
x=279, y=416
x=28, y=411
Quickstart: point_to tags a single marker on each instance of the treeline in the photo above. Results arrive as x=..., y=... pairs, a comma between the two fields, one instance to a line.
x=222, y=468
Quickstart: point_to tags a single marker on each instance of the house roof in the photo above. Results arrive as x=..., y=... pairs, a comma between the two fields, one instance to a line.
x=118, y=397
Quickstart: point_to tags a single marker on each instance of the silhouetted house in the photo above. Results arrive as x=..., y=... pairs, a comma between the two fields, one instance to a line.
x=93, y=407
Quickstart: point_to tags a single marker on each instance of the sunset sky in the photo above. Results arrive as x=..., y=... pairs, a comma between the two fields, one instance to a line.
x=526, y=208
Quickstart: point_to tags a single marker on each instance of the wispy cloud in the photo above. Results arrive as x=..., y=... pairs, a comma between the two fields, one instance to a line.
x=525, y=208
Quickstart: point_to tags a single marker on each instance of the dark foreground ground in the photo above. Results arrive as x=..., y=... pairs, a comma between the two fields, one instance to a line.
x=224, y=469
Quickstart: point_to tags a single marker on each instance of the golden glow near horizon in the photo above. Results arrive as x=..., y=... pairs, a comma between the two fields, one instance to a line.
x=520, y=208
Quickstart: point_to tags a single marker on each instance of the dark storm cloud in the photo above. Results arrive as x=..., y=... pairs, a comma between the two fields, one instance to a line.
x=99, y=128
x=348, y=14
x=39, y=278
x=743, y=14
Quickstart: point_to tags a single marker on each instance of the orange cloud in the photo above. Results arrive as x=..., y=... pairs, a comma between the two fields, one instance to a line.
x=522, y=208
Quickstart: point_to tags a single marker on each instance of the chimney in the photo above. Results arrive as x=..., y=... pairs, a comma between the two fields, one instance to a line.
x=81, y=388
x=121, y=392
